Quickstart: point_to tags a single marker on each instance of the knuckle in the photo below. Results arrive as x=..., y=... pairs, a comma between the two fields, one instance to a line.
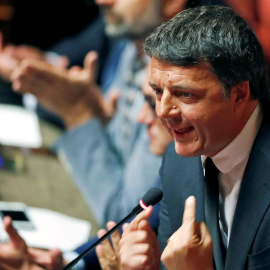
x=166, y=258
x=145, y=260
x=143, y=235
x=147, y=249
x=124, y=262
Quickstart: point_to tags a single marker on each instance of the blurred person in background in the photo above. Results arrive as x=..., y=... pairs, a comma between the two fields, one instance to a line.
x=16, y=253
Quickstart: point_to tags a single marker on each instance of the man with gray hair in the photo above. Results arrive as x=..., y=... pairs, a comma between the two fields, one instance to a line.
x=212, y=94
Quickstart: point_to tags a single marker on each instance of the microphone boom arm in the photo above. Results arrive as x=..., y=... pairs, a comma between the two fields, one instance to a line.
x=134, y=212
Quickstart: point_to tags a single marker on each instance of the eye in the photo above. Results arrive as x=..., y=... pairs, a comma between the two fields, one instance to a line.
x=185, y=94
x=158, y=91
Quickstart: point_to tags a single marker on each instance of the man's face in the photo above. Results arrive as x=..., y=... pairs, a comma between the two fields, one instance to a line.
x=130, y=18
x=191, y=105
x=159, y=136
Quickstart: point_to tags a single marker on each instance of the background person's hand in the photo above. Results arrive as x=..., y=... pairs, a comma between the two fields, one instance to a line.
x=72, y=94
x=108, y=252
x=16, y=255
x=12, y=55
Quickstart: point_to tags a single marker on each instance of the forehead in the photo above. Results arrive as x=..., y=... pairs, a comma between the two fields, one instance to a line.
x=165, y=73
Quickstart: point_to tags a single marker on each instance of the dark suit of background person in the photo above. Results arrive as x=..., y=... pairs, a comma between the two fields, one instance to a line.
x=249, y=246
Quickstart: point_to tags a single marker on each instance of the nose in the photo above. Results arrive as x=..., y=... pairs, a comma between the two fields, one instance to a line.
x=146, y=115
x=105, y=2
x=167, y=107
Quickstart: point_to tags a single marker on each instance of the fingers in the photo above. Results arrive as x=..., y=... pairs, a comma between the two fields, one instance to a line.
x=108, y=253
x=115, y=237
x=56, y=258
x=204, y=235
x=62, y=62
x=39, y=256
x=106, y=245
x=15, y=239
x=139, y=247
x=31, y=75
x=101, y=257
x=190, y=245
x=189, y=216
x=145, y=214
x=91, y=65
x=75, y=70
x=111, y=102
x=100, y=250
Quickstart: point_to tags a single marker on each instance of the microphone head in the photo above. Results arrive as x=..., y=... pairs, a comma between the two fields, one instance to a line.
x=152, y=196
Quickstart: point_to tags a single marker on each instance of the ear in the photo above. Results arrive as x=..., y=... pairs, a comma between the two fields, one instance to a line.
x=241, y=95
x=172, y=7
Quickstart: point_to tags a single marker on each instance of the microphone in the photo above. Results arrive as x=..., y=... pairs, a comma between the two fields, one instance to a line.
x=151, y=197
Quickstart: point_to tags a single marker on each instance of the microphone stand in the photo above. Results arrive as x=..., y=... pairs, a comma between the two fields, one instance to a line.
x=135, y=211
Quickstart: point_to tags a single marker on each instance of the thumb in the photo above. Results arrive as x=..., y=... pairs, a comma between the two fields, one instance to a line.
x=91, y=65
x=111, y=102
x=15, y=239
x=62, y=61
x=114, y=96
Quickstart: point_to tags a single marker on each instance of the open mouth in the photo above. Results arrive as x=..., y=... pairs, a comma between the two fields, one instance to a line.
x=183, y=130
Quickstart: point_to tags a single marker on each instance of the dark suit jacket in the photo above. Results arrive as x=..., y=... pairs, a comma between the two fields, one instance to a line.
x=249, y=246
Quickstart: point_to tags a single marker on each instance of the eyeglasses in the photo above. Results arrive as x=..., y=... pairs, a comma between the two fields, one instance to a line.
x=150, y=102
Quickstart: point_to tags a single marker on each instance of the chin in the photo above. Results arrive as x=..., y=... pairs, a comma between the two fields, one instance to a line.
x=185, y=151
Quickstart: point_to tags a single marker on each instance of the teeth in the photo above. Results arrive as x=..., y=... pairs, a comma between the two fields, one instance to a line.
x=182, y=129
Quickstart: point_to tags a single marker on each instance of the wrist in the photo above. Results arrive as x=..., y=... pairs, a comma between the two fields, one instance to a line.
x=77, y=117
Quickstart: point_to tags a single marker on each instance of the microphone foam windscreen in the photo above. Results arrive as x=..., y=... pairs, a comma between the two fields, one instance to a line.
x=152, y=196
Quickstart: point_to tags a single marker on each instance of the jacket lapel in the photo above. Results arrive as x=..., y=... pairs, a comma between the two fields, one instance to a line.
x=182, y=178
x=253, y=201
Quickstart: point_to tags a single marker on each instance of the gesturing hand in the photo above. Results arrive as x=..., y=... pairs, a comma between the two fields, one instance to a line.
x=190, y=247
x=139, y=247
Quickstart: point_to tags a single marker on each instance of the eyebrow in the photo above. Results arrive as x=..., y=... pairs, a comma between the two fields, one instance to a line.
x=152, y=84
x=182, y=87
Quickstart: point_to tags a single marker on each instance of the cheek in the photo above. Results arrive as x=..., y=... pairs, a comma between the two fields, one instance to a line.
x=131, y=11
x=211, y=124
x=193, y=115
x=164, y=124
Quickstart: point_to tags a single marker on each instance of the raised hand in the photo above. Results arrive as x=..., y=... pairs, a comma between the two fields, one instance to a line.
x=190, y=247
x=139, y=248
x=11, y=57
x=7, y=62
x=71, y=94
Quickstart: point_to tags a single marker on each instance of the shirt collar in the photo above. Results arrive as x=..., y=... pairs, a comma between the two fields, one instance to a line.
x=240, y=147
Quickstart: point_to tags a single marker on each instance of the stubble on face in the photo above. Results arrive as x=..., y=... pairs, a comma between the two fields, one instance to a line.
x=134, y=20
x=203, y=121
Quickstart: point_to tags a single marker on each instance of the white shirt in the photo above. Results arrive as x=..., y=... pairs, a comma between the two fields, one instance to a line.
x=231, y=162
